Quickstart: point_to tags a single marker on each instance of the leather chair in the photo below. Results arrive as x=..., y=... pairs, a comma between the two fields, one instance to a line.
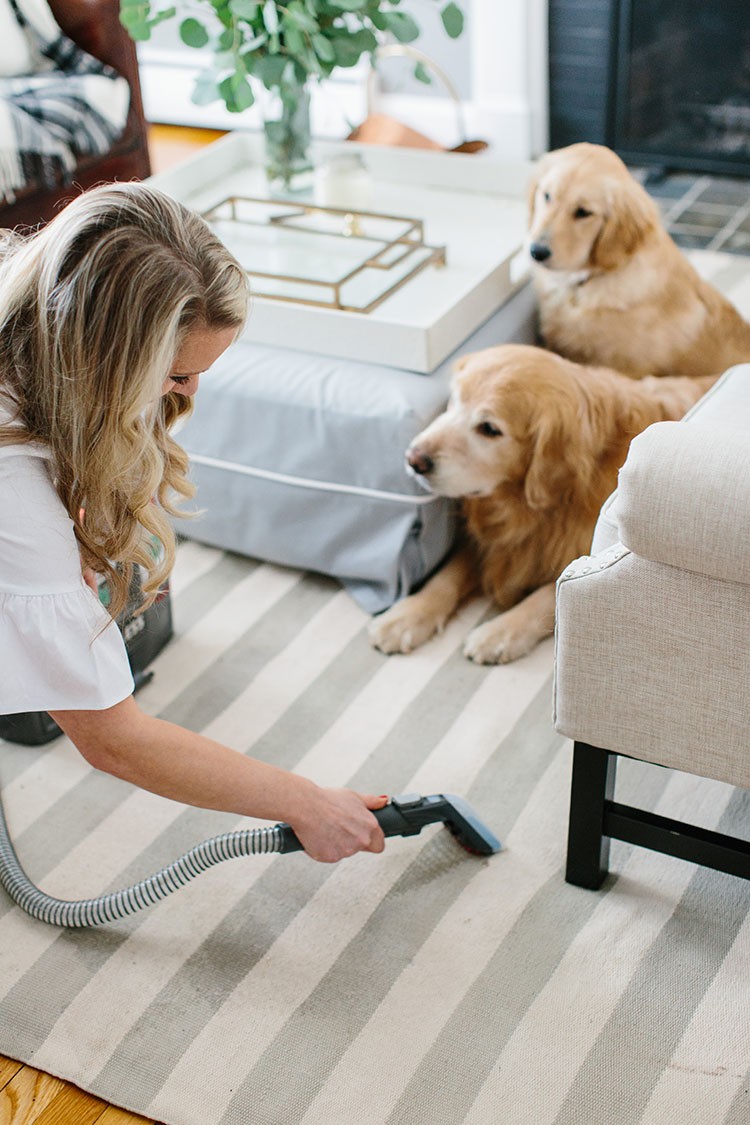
x=95, y=26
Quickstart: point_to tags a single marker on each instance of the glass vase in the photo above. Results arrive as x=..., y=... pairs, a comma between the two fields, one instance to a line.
x=286, y=126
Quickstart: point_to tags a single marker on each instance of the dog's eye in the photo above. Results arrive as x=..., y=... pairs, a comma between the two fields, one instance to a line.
x=489, y=429
x=546, y=197
x=581, y=213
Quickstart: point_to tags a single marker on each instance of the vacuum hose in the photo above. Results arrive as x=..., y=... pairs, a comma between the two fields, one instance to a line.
x=403, y=816
x=118, y=904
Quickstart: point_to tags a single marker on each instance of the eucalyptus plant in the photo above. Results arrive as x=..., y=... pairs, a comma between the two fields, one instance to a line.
x=281, y=44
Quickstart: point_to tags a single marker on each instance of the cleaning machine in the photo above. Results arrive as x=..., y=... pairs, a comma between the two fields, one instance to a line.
x=402, y=816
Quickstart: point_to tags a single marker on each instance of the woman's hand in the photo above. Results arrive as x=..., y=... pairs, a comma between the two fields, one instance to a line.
x=336, y=823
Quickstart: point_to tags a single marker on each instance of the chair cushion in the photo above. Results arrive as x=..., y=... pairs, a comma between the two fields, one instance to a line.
x=654, y=510
x=684, y=499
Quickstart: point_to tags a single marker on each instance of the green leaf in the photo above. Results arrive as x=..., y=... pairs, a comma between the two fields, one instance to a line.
x=193, y=33
x=302, y=70
x=271, y=17
x=236, y=92
x=253, y=44
x=229, y=61
x=348, y=5
x=364, y=39
x=269, y=68
x=311, y=64
x=132, y=17
x=165, y=14
x=422, y=75
x=403, y=27
x=294, y=41
x=348, y=46
x=346, y=52
x=453, y=20
x=135, y=18
x=140, y=32
x=205, y=90
x=244, y=9
x=297, y=15
x=224, y=16
x=289, y=82
x=323, y=48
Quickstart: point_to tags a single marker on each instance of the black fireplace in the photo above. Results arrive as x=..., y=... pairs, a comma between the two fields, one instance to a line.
x=663, y=82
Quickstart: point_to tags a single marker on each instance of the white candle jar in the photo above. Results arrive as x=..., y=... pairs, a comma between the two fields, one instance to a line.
x=344, y=181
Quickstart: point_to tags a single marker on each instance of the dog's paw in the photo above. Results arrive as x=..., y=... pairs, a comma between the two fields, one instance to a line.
x=497, y=642
x=402, y=628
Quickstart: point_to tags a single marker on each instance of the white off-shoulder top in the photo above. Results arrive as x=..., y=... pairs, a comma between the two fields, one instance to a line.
x=59, y=648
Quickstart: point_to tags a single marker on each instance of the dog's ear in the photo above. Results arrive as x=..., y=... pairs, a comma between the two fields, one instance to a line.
x=563, y=458
x=533, y=184
x=543, y=164
x=631, y=216
x=548, y=473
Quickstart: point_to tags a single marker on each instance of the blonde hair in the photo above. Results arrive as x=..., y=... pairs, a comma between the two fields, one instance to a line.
x=93, y=309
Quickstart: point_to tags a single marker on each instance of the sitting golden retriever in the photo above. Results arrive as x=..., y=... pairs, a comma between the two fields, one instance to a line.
x=531, y=443
x=613, y=289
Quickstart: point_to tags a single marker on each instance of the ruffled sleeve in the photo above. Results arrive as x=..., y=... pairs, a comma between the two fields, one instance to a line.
x=59, y=648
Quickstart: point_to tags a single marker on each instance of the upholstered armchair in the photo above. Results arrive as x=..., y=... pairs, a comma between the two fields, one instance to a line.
x=93, y=25
x=653, y=634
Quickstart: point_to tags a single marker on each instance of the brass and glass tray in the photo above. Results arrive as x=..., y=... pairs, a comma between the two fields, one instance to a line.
x=328, y=257
x=319, y=278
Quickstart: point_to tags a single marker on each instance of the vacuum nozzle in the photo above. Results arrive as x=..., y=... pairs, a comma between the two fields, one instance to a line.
x=407, y=815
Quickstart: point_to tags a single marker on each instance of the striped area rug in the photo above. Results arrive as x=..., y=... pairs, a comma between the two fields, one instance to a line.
x=420, y=987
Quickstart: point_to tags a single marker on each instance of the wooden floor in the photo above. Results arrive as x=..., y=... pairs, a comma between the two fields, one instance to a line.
x=28, y=1096
x=168, y=145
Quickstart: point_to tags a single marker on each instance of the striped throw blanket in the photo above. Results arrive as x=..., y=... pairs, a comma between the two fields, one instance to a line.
x=69, y=104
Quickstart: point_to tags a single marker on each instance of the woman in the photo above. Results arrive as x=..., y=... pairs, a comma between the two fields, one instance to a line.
x=108, y=316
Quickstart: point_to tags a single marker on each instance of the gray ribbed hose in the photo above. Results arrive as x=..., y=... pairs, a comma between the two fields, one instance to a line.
x=118, y=904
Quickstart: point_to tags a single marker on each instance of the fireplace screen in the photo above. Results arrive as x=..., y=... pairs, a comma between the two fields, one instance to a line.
x=683, y=83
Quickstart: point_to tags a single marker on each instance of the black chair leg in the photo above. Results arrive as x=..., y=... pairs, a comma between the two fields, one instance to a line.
x=593, y=784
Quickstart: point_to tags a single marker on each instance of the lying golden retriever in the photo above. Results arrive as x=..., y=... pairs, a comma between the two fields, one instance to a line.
x=531, y=443
x=613, y=289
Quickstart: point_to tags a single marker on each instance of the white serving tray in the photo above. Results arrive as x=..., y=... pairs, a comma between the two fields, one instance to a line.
x=471, y=204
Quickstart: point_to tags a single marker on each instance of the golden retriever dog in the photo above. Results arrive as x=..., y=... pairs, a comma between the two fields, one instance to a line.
x=613, y=288
x=531, y=443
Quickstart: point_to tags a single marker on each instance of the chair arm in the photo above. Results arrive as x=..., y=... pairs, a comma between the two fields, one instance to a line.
x=95, y=26
x=683, y=498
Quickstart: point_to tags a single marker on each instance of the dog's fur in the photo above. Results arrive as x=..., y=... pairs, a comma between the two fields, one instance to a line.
x=531, y=492
x=615, y=289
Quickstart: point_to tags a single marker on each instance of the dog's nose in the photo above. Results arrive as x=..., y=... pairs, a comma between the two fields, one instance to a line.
x=540, y=251
x=419, y=461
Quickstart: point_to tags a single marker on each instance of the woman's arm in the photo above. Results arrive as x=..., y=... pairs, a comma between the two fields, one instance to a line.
x=184, y=766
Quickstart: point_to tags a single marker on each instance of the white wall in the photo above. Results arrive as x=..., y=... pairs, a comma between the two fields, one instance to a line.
x=499, y=66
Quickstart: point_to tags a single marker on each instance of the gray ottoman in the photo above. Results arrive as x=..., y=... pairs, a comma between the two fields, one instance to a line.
x=298, y=459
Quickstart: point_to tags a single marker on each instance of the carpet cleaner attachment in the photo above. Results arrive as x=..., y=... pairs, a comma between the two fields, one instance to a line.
x=403, y=816
x=407, y=815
